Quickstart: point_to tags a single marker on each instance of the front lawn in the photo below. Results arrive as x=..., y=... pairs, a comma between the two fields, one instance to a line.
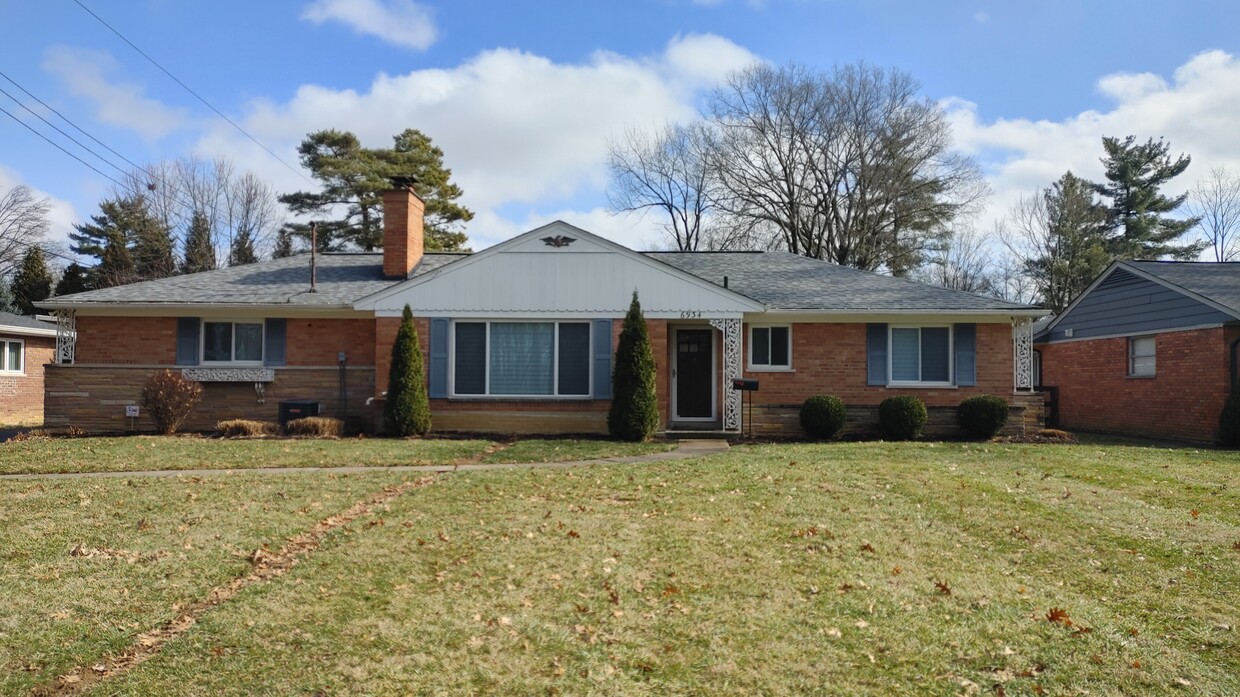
x=134, y=453
x=865, y=568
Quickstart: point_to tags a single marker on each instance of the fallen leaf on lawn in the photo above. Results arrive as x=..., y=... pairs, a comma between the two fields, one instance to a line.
x=896, y=571
x=1060, y=616
x=862, y=624
x=834, y=632
x=867, y=547
x=1136, y=665
x=574, y=534
x=1194, y=513
x=943, y=587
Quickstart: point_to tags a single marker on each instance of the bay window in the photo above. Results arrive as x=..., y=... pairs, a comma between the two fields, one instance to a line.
x=521, y=359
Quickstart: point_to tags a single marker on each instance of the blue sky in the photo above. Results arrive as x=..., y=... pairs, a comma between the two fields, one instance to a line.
x=522, y=96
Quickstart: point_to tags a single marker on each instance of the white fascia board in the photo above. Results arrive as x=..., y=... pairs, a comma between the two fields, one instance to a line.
x=981, y=316
x=369, y=302
x=579, y=314
x=7, y=330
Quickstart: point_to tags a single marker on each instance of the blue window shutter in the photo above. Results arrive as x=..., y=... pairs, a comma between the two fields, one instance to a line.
x=966, y=354
x=438, y=379
x=876, y=353
x=273, y=341
x=602, y=359
x=187, y=340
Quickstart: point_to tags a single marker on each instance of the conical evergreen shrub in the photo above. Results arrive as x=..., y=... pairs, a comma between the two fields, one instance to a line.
x=407, y=410
x=634, y=414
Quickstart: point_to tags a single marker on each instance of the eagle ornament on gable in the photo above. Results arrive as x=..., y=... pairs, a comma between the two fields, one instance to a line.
x=559, y=241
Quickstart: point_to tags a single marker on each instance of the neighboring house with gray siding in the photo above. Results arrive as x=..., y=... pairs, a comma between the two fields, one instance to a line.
x=1148, y=349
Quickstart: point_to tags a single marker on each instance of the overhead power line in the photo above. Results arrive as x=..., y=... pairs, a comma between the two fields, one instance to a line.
x=191, y=91
x=58, y=147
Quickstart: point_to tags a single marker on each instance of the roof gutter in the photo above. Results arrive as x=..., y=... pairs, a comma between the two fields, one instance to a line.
x=25, y=331
x=1015, y=312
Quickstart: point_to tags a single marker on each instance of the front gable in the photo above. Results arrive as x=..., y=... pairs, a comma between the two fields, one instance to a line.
x=558, y=271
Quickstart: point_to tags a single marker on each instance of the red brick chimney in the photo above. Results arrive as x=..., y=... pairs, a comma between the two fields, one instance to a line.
x=402, y=229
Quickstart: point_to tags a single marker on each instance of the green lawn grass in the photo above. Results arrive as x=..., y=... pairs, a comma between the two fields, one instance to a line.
x=136, y=453
x=865, y=568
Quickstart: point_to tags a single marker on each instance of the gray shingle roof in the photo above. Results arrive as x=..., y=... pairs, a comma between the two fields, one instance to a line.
x=784, y=281
x=8, y=319
x=1216, y=281
x=341, y=279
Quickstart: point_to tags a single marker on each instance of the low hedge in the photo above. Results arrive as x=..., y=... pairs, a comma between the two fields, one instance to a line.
x=822, y=416
x=983, y=416
x=901, y=418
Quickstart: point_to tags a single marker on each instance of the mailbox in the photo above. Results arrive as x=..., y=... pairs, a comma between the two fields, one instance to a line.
x=745, y=384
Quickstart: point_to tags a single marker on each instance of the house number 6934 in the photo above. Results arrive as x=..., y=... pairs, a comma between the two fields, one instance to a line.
x=691, y=314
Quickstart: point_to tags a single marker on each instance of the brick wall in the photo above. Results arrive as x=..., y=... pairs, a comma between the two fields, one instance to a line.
x=94, y=397
x=830, y=359
x=126, y=340
x=21, y=396
x=1182, y=400
x=316, y=342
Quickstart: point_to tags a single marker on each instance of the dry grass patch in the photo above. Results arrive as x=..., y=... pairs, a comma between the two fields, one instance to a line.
x=88, y=565
x=784, y=570
x=568, y=449
x=246, y=428
x=315, y=426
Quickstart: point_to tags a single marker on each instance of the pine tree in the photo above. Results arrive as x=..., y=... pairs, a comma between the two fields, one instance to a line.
x=242, y=250
x=1073, y=251
x=284, y=243
x=199, y=247
x=146, y=242
x=75, y=279
x=634, y=413
x=32, y=282
x=407, y=410
x=116, y=268
x=6, y=298
x=1138, y=225
x=151, y=245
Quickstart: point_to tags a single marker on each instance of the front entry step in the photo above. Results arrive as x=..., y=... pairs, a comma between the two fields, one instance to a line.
x=685, y=434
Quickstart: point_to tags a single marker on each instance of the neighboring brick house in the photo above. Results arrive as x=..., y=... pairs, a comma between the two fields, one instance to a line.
x=26, y=345
x=1149, y=349
x=519, y=337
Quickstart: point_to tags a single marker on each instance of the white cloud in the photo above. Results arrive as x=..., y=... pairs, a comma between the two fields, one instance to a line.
x=400, y=22
x=515, y=127
x=85, y=74
x=1195, y=113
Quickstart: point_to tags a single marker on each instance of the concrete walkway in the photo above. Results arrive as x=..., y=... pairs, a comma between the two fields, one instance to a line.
x=684, y=450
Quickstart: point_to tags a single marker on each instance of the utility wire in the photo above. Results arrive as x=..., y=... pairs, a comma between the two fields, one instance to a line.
x=56, y=128
x=58, y=147
x=196, y=95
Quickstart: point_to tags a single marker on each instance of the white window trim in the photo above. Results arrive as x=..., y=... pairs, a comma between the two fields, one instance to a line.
x=750, y=366
x=4, y=357
x=202, y=341
x=951, y=353
x=555, y=362
x=1131, y=366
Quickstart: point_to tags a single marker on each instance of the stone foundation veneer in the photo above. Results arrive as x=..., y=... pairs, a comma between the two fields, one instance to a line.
x=93, y=398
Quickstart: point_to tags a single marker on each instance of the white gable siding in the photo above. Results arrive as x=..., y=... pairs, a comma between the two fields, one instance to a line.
x=588, y=278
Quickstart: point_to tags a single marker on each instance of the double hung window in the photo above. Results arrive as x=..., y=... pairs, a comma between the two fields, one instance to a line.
x=232, y=342
x=12, y=356
x=1141, y=356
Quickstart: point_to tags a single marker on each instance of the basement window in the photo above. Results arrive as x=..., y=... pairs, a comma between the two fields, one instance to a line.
x=11, y=355
x=1141, y=356
x=232, y=342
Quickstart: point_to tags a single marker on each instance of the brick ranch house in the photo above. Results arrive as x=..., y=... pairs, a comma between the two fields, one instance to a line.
x=1148, y=349
x=26, y=346
x=519, y=338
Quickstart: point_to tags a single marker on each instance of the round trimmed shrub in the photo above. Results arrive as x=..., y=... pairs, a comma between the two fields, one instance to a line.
x=822, y=416
x=983, y=416
x=901, y=418
x=1229, y=420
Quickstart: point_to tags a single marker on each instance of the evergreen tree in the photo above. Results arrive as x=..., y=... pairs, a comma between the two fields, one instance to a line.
x=6, y=298
x=151, y=246
x=634, y=413
x=284, y=243
x=407, y=410
x=116, y=268
x=32, y=282
x=75, y=279
x=199, y=247
x=242, y=250
x=354, y=177
x=1073, y=251
x=1138, y=225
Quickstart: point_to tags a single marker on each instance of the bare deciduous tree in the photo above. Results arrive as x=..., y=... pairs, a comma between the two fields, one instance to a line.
x=964, y=263
x=1215, y=201
x=23, y=223
x=665, y=172
x=851, y=166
